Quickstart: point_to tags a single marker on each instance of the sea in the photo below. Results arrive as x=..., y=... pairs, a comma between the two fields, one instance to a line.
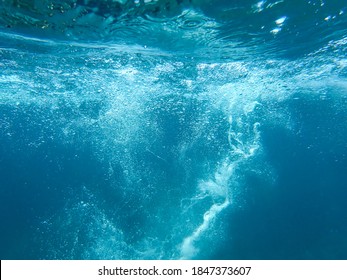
x=173, y=129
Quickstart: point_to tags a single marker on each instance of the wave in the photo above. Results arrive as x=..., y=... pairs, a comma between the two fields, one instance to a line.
x=225, y=29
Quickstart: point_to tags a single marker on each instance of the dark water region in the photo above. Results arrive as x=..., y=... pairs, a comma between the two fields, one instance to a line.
x=173, y=129
x=300, y=215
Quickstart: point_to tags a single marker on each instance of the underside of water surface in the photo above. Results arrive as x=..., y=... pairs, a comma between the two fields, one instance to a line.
x=173, y=129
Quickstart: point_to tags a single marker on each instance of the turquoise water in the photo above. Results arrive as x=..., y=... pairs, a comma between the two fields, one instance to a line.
x=173, y=129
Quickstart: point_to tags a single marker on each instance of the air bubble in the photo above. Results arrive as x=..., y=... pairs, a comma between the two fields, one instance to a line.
x=327, y=18
x=281, y=20
x=275, y=30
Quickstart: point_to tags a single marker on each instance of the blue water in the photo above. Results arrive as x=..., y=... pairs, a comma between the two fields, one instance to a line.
x=173, y=129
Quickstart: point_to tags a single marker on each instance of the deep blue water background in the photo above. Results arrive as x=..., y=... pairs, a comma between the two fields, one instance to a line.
x=168, y=130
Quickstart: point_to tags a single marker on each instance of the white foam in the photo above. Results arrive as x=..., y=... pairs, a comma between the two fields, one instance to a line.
x=243, y=138
x=216, y=188
x=188, y=250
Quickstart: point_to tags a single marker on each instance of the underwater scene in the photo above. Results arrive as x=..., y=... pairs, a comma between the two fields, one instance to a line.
x=173, y=129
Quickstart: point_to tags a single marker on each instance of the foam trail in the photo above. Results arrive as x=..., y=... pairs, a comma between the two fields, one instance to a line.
x=188, y=249
x=218, y=189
